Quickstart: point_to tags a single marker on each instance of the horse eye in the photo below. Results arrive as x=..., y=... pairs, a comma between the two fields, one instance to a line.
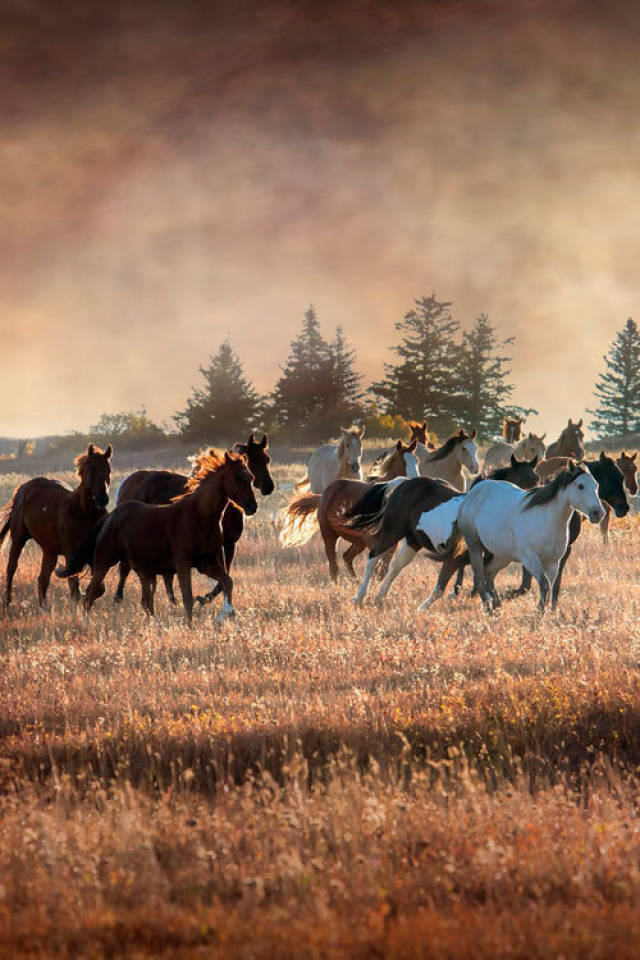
x=581, y=486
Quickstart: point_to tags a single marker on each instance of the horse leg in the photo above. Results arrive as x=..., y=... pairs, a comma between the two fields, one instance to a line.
x=532, y=563
x=47, y=567
x=148, y=586
x=383, y=565
x=17, y=546
x=402, y=559
x=229, y=553
x=448, y=568
x=604, y=524
x=217, y=570
x=476, y=556
x=363, y=589
x=74, y=589
x=349, y=556
x=184, y=580
x=168, y=586
x=96, y=585
x=124, y=570
x=555, y=591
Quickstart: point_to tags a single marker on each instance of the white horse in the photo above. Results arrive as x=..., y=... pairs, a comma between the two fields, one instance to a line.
x=447, y=462
x=499, y=454
x=531, y=528
x=335, y=461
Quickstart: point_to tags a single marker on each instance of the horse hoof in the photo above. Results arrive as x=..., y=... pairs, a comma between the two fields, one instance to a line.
x=357, y=601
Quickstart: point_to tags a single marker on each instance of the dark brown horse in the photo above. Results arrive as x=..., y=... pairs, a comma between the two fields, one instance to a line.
x=511, y=430
x=173, y=538
x=56, y=517
x=570, y=443
x=163, y=486
x=327, y=510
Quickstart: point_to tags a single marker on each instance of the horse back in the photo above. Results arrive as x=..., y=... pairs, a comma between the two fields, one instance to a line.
x=152, y=486
x=48, y=512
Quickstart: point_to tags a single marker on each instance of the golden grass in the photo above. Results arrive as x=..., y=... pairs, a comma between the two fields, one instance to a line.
x=314, y=782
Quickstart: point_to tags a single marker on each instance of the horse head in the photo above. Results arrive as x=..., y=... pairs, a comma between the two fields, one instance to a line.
x=626, y=463
x=572, y=439
x=523, y=472
x=94, y=472
x=611, y=485
x=418, y=432
x=350, y=448
x=258, y=461
x=468, y=452
x=582, y=491
x=238, y=481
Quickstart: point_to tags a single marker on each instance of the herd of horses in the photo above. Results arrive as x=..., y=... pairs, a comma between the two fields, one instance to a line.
x=527, y=506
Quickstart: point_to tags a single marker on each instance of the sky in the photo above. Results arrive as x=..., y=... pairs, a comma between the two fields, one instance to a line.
x=171, y=174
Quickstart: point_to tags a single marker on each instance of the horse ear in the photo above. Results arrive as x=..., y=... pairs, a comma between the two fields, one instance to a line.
x=264, y=443
x=534, y=462
x=569, y=422
x=412, y=445
x=399, y=445
x=251, y=439
x=342, y=447
x=424, y=424
x=362, y=430
x=91, y=450
x=634, y=456
x=227, y=458
x=108, y=452
x=580, y=423
x=474, y=433
x=571, y=465
x=514, y=462
x=603, y=456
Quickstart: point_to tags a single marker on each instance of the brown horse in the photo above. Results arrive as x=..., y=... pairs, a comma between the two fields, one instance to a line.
x=163, y=486
x=511, y=430
x=172, y=538
x=327, y=509
x=56, y=517
x=570, y=443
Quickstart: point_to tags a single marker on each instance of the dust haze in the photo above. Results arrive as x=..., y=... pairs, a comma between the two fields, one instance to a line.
x=174, y=173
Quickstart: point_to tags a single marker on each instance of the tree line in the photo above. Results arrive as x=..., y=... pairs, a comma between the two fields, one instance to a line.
x=439, y=373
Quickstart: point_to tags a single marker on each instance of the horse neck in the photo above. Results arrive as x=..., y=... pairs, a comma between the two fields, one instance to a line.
x=519, y=450
x=450, y=468
x=82, y=499
x=559, y=510
x=209, y=499
x=392, y=471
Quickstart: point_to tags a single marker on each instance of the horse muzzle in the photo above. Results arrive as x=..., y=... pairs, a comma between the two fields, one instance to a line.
x=596, y=515
x=622, y=510
x=101, y=500
x=251, y=508
x=355, y=467
x=266, y=487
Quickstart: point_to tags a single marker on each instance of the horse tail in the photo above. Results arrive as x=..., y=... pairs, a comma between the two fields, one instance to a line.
x=83, y=555
x=367, y=512
x=5, y=517
x=300, y=520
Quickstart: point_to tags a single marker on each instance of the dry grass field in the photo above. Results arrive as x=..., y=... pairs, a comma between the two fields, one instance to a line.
x=307, y=781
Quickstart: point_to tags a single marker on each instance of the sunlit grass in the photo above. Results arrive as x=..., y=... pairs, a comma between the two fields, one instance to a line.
x=308, y=780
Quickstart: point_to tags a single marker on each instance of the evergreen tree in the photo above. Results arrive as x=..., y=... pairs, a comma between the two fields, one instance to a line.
x=343, y=398
x=299, y=397
x=227, y=407
x=617, y=390
x=425, y=384
x=484, y=388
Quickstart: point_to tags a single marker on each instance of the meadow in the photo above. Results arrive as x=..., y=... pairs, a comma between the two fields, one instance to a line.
x=311, y=781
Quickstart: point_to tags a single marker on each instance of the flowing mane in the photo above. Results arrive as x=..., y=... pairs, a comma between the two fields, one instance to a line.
x=447, y=446
x=545, y=494
x=205, y=464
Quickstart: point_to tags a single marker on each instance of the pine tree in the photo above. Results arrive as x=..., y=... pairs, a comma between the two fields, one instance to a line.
x=227, y=407
x=343, y=399
x=484, y=388
x=300, y=395
x=618, y=388
x=425, y=384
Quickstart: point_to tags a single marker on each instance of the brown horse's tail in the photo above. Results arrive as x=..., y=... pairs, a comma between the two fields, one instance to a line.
x=300, y=520
x=5, y=517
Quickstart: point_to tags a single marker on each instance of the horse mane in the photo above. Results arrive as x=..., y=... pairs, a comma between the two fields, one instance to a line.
x=540, y=496
x=384, y=462
x=447, y=446
x=82, y=459
x=205, y=464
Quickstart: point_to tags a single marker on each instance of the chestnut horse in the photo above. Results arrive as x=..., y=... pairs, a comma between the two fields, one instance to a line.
x=570, y=443
x=172, y=538
x=163, y=486
x=56, y=517
x=327, y=509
